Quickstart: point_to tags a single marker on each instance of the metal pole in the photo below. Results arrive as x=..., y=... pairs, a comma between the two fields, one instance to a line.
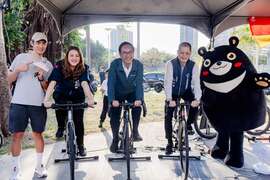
x=109, y=46
x=88, y=45
x=138, y=40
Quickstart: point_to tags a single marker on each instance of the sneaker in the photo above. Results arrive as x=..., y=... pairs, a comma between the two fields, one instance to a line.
x=15, y=175
x=114, y=146
x=59, y=133
x=168, y=149
x=100, y=124
x=81, y=151
x=190, y=130
x=137, y=137
x=41, y=172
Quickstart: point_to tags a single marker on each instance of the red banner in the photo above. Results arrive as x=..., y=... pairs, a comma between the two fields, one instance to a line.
x=260, y=30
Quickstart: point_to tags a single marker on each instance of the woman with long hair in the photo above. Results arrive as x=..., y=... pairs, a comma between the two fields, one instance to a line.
x=69, y=82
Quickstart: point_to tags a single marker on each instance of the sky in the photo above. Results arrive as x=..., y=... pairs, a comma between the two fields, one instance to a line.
x=164, y=37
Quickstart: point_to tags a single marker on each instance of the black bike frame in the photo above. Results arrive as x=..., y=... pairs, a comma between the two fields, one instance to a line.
x=126, y=117
x=70, y=108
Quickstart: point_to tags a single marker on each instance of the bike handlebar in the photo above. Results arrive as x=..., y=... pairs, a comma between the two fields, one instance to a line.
x=126, y=104
x=179, y=102
x=70, y=106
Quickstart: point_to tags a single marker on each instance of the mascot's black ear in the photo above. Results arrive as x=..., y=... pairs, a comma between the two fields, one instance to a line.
x=202, y=51
x=233, y=41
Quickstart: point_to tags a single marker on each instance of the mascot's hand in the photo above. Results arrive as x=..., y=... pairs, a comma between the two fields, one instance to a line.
x=262, y=80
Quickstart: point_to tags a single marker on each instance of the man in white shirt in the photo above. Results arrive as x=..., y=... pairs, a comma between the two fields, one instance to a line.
x=26, y=103
x=104, y=90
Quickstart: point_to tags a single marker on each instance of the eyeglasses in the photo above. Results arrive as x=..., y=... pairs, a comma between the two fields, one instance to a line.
x=126, y=52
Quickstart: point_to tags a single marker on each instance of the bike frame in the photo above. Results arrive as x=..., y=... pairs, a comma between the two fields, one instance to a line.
x=126, y=151
x=181, y=115
x=70, y=108
x=70, y=122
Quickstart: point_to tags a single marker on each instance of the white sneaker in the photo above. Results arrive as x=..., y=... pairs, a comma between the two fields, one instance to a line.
x=41, y=172
x=15, y=175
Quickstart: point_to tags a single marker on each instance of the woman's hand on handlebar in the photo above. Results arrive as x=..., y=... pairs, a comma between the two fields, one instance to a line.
x=91, y=103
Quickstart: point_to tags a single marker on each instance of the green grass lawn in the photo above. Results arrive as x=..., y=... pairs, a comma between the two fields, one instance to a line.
x=155, y=112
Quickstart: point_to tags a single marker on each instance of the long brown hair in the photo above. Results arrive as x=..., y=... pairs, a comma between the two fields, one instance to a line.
x=79, y=69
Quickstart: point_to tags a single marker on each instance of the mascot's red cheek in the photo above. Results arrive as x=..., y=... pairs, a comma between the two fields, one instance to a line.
x=237, y=65
x=205, y=73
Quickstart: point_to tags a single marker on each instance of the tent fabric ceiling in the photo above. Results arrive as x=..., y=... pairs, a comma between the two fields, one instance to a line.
x=208, y=16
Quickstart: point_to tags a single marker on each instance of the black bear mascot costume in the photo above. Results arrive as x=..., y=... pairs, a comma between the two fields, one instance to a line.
x=232, y=97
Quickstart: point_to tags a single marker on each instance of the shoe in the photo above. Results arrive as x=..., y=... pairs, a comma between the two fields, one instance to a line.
x=114, y=146
x=232, y=160
x=168, y=149
x=15, y=175
x=137, y=137
x=81, y=151
x=190, y=130
x=41, y=172
x=59, y=133
x=100, y=124
x=218, y=153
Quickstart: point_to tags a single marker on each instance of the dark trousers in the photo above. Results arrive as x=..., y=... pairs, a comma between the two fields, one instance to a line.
x=115, y=113
x=61, y=116
x=169, y=111
x=104, y=108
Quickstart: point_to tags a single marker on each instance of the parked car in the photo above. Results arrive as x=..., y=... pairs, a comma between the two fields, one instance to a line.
x=154, y=80
x=267, y=91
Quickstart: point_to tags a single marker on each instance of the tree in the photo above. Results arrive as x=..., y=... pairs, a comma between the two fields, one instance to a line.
x=24, y=19
x=13, y=27
x=99, y=54
x=245, y=37
x=4, y=92
x=247, y=43
x=153, y=58
x=74, y=38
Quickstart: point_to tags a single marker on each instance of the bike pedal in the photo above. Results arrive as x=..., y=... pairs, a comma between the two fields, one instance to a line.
x=64, y=150
x=132, y=151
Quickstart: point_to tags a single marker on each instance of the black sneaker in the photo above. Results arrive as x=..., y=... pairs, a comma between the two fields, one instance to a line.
x=81, y=151
x=114, y=146
x=59, y=133
x=137, y=137
x=168, y=149
x=100, y=124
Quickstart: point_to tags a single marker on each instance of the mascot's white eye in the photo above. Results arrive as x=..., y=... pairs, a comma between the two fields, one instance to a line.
x=206, y=63
x=231, y=56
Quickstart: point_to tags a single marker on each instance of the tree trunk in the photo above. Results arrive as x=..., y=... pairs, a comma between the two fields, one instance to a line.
x=39, y=20
x=4, y=87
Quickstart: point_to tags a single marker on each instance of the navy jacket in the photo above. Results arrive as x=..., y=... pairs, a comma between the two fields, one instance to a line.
x=181, y=84
x=120, y=86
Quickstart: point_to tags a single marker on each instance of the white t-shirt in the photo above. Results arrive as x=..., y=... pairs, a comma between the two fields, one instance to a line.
x=28, y=90
x=127, y=70
x=104, y=86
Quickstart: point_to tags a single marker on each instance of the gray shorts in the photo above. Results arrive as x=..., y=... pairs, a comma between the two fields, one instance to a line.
x=20, y=115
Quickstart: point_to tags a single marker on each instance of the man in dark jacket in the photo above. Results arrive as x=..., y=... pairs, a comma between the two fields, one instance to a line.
x=125, y=82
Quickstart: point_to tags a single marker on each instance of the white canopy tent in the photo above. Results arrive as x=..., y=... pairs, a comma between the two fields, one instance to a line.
x=211, y=17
